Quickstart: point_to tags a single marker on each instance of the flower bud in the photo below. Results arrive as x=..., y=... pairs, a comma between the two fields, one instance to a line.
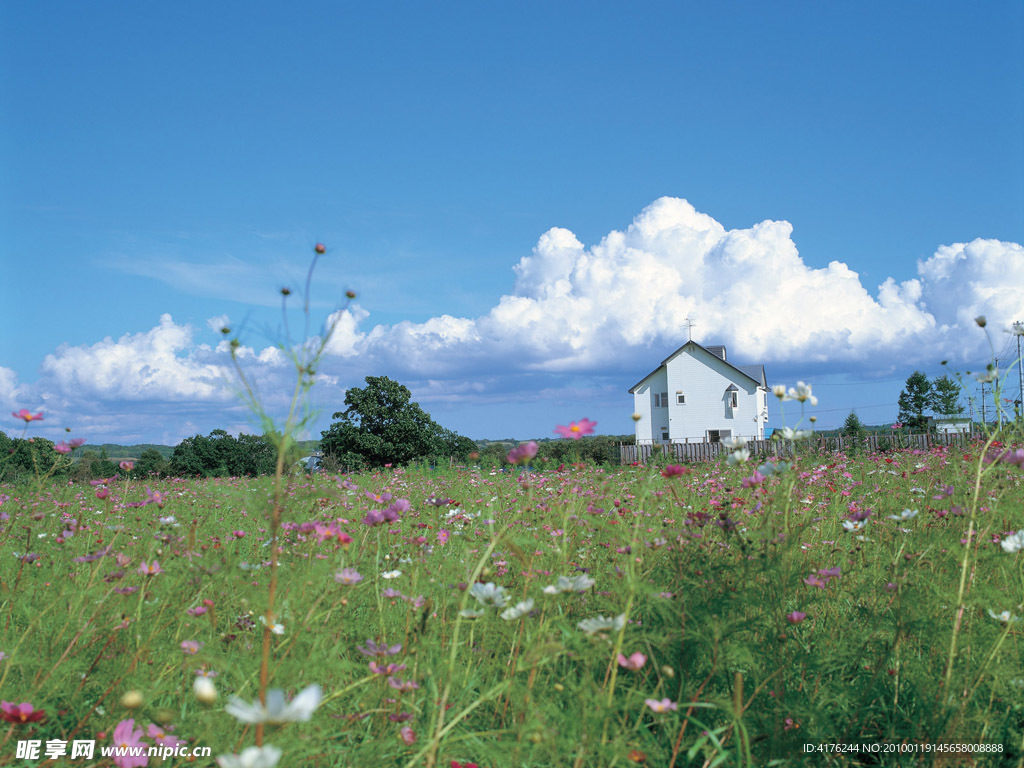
x=131, y=700
x=320, y=248
x=204, y=690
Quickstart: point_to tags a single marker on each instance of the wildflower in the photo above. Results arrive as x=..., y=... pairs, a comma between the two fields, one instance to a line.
x=2, y=655
x=1014, y=543
x=577, y=429
x=320, y=249
x=906, y=514
x=471, y=613
x=779, y=390
x=300, y=709
x=737, y=457
x=155, y=497
x=20, y=713
x=374, y=518
x=802, y=393
x=380, y=651
x=855, y=525
x=252, y=757
x=62, y=447
x=408, y=736
x=26, y=416
x=795, y=617
x=633, y=662
x=600, y=624
x=127, y=466
x=665, y=705
x=579, y=583
x=385, y=669
x=125, y=736
x=151, y=569
x=981, y=321
x=734, y=443
x=276, y=628
x=1005, y=617
x=754, y=480
x=190, y=647
x=489, y=594
x=518, y=610
x=378, y=498
x=197, y=610
x=204, y=689
x=348, y=576
x=522, y=453
x=403, y=686
x=674, y=470
x=897, y=425
x=391, y=574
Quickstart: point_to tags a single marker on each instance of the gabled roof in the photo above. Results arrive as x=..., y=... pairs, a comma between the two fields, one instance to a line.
x=753, y=372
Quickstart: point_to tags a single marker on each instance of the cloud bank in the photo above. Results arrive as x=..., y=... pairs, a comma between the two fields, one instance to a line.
x=587, y=309
x=579, y=319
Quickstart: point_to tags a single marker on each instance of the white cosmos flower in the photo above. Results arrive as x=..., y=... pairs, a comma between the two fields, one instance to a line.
x=779, y=390
x=579, y=583
x=517, y=611
x=906, y=514
x=204, y=689
x=391, y=574
x=737, y=457
x=802, y=393
x=471, y=613
x=789, y=433
x=855, y=525
x=298, y=710
x=600, y=624
x=1005, y=617
x=733, y=443
x=1013, y=543
x=277, y=628
x=252, y=757
x=489, y=594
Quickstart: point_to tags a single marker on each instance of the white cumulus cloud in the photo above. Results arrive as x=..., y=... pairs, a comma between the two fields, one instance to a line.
x=579, y=308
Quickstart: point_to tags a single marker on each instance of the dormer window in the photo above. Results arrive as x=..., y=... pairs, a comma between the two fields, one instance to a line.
x=732, y=395
x=680, y=398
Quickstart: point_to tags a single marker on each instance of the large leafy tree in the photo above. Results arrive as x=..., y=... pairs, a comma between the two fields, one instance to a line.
x=220, y=454
x=945, y=398
x=381, y=425
x=915, y=397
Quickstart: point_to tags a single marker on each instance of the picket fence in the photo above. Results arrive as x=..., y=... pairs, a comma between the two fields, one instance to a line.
x=693, y=452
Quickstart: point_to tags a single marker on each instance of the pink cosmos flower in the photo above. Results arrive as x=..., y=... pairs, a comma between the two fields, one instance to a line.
x=190, y=647
x=163, y=737
x=20, y=713
x=408, y=736
x=62, y=447
x=522, y=453
x=577, y=429
x=634, y=662
x=152, y=569
x=155, y=497
x=125, y=736
x=665, y=705
x=674, y=470
x=102, y=494
x=127, y=466
x=27, y=416
x=795, y=617
x=78, y=441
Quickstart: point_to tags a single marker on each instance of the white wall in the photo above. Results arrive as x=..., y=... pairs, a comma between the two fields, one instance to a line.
x=652, y=419
x=703, y=378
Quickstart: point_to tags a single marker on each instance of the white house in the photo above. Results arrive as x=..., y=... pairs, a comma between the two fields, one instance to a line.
x=696, y=395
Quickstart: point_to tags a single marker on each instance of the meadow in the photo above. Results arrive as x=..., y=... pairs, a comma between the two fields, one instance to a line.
x=716, y=614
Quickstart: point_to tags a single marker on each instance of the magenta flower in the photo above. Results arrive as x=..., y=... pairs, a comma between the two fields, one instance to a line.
x=665, y=705
x=348, y=576
x=127, y=466
x=20, y=713
x=190, y=647
x=163, y=737
x=577, y=429
x=78, y=441
x=26, y=416
x=62, y=447
x=403, y=686
x=382, y=650
x=125, y=736
x=198, y=610
x=796, y=617
x=155, y=497
x=634, y=662
x=150, y=569
x=522, y=453
x=674, y=470
x=408, y=736
x=102, y=494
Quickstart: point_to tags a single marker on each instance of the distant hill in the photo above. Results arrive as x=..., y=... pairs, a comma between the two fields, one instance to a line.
x=115, y=451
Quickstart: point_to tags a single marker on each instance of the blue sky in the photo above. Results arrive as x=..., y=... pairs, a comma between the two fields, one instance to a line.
x=527, y=199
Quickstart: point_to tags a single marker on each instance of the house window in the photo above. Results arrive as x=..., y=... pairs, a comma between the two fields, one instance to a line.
x=680, y=398
x=716, y=435
x=661, y=400
x=734, y=399
x=657, y=400
x=664, y=435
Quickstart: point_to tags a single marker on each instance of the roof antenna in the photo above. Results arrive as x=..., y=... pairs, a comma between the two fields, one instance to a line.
x=689, y=328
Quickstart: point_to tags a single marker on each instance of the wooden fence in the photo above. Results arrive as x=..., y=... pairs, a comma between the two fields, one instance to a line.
x=691, y=452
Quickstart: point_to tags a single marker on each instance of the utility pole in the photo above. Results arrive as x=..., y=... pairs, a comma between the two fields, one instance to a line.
x=689, y=328
x=997, y=390
x=1018, y=330
x=984, y=423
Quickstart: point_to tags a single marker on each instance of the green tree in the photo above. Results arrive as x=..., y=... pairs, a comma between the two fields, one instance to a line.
x=914, y=399
x=151, y=462
x=945, y=397
x=853, y=427
x=383, y=426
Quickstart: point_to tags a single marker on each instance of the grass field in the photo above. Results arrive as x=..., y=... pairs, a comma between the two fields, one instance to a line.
x=589, y=617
